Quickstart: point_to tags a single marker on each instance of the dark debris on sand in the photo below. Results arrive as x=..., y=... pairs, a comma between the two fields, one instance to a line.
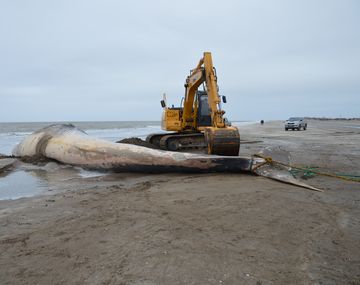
x=138, y=141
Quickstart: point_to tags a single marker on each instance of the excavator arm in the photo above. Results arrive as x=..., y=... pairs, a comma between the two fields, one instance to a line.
x=212, y=91
x=192, y=83
x=204, y=72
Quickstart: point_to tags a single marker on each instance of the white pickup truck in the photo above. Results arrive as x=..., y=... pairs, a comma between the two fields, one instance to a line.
x=296, y=123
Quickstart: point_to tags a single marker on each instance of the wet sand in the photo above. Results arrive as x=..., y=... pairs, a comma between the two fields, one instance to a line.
x=196, y=229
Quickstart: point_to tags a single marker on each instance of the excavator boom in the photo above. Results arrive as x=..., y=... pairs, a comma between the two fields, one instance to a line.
x=212, y=91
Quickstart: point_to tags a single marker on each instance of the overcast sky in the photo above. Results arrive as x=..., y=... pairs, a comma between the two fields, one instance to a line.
x=75, y=60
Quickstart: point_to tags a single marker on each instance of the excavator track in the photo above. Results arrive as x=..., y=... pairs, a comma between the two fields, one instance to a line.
x=178, y=141
x=213, y=141
x=154, y=139
x=183, y=142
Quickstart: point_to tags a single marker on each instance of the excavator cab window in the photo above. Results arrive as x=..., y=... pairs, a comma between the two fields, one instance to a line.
x=204, y=116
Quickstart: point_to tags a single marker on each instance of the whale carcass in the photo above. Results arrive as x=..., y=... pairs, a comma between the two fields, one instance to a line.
x=69, y=145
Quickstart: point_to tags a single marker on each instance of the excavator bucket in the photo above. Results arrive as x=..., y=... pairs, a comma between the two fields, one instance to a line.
x=222, y=141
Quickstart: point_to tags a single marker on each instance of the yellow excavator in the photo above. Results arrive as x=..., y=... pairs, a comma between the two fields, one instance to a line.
x=199, y=122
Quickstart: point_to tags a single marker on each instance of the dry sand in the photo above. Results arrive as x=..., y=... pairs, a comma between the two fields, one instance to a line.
x=197, y=229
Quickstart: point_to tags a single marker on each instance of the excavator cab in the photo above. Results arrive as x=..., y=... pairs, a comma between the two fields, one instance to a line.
x=204, y=115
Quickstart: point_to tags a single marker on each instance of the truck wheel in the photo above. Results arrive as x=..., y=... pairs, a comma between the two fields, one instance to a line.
x=305, y=127
x=286, y=129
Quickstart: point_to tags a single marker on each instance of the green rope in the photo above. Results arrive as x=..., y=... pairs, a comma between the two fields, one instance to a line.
x=310, y=171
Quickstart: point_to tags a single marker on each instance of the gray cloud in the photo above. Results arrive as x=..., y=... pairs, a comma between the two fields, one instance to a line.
x=112, y=60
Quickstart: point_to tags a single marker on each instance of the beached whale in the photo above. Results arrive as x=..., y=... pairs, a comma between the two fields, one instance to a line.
x=67, y=144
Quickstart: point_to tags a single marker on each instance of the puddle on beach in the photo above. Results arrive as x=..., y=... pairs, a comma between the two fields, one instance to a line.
x=19, y=184
x=30, y=180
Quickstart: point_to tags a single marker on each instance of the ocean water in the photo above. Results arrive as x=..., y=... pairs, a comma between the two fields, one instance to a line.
x=28, y=180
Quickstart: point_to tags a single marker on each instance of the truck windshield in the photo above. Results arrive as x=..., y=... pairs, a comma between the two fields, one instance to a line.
x=294, y=119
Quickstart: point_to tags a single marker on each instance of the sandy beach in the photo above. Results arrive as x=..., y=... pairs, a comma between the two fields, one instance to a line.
x=214, y=228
